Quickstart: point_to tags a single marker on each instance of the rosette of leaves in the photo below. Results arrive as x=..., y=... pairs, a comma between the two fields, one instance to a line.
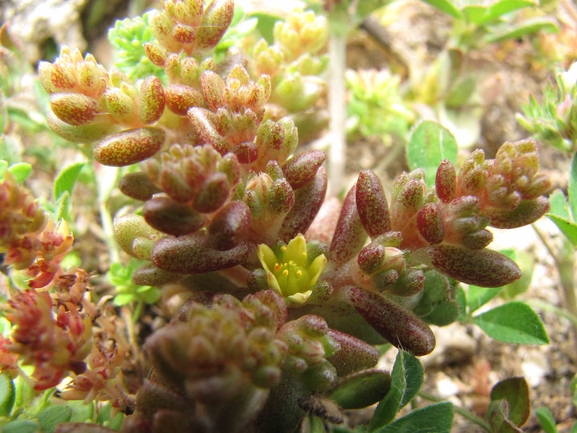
x=127, y=292
x=554, y=120
x=376, y=94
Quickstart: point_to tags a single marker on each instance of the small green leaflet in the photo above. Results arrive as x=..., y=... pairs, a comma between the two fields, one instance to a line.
x=407, y=378
x=63, y=186
x=514, y=322
x=430, y=143
x=435, y=418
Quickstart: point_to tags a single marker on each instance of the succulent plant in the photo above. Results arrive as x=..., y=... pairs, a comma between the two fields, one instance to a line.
x=223, y=204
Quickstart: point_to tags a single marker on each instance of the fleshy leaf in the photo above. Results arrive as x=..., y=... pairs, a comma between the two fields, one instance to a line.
x=362, y=389
x=484, y=268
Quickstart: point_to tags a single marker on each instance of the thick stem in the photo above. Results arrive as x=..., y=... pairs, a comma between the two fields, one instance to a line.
x=460, y=410
x=337, y=110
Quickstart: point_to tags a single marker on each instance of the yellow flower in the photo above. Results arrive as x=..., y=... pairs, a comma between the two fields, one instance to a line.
x=289, y=272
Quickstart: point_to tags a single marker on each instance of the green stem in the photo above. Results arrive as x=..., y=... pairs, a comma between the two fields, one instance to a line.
x=565, y=263
x=546, y=306
x=337, y=109
x=103, y=191
x=460, y=410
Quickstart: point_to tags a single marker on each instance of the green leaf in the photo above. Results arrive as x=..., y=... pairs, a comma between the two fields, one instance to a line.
x=479, y=296
x=524, y=28
x=568, y=228
x=3, y=167
x=546, y=420
x=435, y=418
x=66, y=179
x=50, y=417
x=20, y=171
x=407, y=378
x=24, y=393
x=461, y=92
x=475, y=13
x=516, y=392
x=316, y=425
x=123, y=299
x=446, y=6
x=265, y=25
x=81, y=412
x=10, y=149
x=572, y=187
x=526, y=262
x=514, y=322
x=558, y=205
x=500, y=8
x=22, y=426
x=7, y=395
x=362, y=389
x=461, y=298
x=437, y=306
x=497, y=415
x=430, y=143
x=104, y=417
